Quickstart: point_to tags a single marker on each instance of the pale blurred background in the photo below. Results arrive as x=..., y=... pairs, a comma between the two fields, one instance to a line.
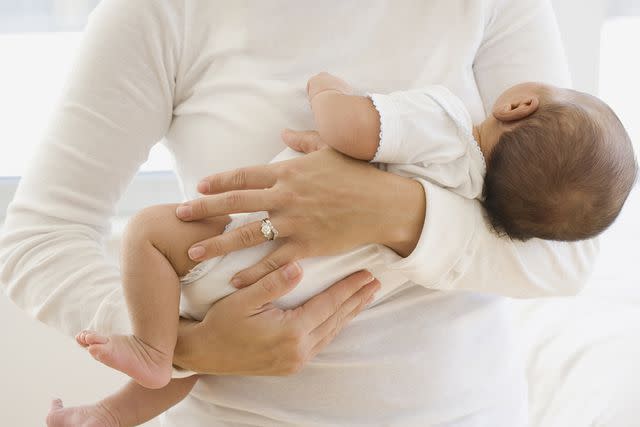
x=37, y=363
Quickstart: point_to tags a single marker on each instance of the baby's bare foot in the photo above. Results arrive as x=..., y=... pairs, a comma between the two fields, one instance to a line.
x=81, y=416
x=148, y=366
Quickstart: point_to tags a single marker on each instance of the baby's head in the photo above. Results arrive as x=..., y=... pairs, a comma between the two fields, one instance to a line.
x=560, y=164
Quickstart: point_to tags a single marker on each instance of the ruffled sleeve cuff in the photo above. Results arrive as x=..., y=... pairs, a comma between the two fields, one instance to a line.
x=390, y=138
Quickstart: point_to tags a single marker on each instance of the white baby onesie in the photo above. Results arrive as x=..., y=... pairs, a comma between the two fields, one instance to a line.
x=424, y=133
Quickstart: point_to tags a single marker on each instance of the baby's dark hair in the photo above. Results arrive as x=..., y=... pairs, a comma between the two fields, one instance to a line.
x=564, y=173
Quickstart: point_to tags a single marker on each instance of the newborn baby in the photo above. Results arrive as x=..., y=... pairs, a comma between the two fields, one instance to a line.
x=548, y=162
x=559, y=163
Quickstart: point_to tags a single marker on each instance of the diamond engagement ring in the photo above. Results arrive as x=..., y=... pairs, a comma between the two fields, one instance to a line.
x=268, y=230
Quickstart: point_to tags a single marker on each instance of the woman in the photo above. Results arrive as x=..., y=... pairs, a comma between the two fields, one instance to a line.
x=219, y=81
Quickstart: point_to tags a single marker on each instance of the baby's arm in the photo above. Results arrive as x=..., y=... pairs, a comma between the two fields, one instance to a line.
x=427, y=133
x=424, y=133
x=348, y=123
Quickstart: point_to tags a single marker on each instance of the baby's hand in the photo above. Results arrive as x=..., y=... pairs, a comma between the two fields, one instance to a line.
x=323, y=82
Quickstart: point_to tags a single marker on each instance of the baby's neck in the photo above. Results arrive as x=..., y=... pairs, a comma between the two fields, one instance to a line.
x=477, y=135
x=487, y=135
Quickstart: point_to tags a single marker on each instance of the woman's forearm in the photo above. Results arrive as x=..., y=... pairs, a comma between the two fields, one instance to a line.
x=404, y=201
x=52, y=256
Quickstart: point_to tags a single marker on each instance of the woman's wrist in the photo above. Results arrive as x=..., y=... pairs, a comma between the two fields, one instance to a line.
x=406, y=203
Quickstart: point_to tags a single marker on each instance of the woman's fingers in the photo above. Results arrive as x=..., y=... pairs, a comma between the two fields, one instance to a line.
x=305, y=141
x=271, y=286
x=230, y=202
x=242, y=237
x=254, y=177
x=281, y=256
x=327, y=331
x=318, y=309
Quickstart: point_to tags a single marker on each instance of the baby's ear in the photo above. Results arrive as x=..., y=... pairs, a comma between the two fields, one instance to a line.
x=517, y=109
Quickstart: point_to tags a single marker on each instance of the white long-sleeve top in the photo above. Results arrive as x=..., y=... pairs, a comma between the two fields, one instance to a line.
x=219, y=80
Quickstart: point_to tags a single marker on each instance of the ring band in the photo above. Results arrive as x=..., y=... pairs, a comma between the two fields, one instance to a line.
x=268, y=230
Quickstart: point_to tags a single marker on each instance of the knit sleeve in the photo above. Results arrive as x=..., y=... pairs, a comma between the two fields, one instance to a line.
x=117, y=103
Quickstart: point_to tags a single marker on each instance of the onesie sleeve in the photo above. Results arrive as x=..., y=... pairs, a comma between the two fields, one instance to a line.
x=457, y=249
x=427, y=133
x=117, y=103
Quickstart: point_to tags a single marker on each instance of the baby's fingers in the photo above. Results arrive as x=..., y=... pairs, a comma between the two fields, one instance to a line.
x=306, y=141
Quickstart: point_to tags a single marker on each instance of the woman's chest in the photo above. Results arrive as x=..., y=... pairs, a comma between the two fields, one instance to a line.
x=244, y=69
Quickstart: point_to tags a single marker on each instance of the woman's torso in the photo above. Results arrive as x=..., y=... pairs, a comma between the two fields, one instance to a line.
x=420, y=357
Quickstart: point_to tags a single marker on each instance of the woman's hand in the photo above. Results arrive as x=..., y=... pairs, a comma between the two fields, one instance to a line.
x=244, y=334
x=323, y=203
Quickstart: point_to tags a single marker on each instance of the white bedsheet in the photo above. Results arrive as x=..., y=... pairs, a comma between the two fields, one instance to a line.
x=583, y=353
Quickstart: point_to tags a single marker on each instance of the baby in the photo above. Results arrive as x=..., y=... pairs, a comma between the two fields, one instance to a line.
x=549, y=163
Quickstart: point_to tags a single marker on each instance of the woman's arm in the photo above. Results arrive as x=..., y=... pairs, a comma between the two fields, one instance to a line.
x=117, y=103
x=521, y=43
x=443, y=237
x=321, y=204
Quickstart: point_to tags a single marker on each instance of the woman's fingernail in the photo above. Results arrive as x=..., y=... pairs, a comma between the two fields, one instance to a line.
x=369, y=279
x=204, y=187
x=184, y=212
x=236, y=282
x=196, y=252
x=291, y=271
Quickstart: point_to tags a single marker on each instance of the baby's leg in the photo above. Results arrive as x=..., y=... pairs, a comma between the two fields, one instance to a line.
x=154, y=255
x=130, y=406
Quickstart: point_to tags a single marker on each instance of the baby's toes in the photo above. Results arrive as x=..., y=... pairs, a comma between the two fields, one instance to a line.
x=54, y=415
x=93, y=338
x=56, y=404
x=81, y=337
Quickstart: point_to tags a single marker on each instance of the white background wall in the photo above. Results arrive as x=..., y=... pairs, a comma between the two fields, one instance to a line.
x=579, y=22
x=37, y=363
